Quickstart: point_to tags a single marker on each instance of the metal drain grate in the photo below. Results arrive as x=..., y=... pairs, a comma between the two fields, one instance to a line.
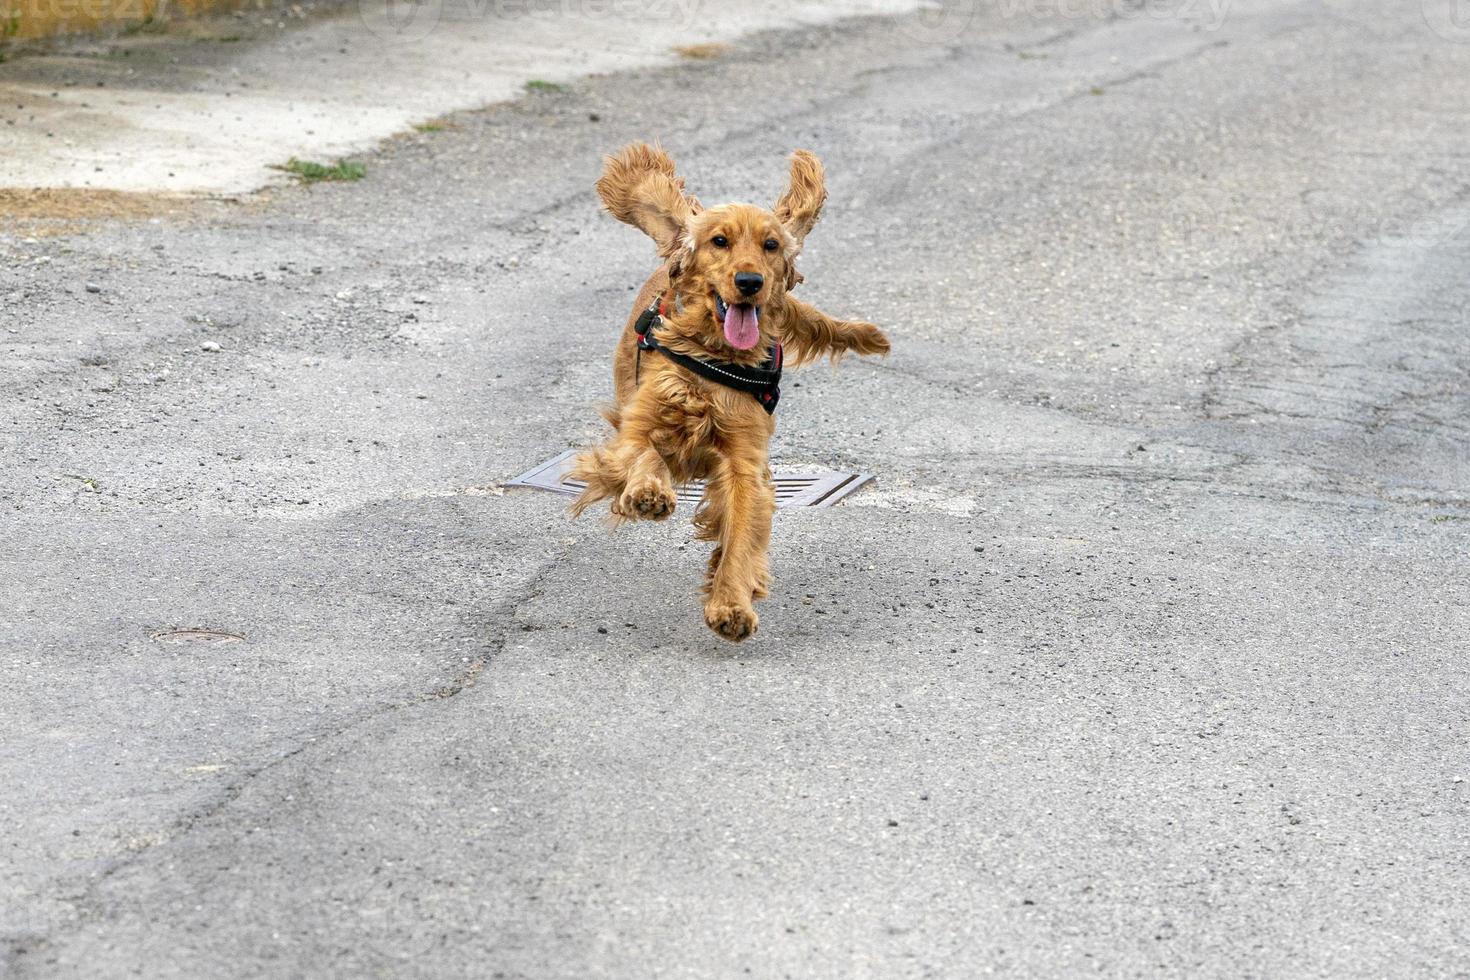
x=792, y=489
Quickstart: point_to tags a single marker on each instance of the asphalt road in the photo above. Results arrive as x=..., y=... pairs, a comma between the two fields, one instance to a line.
x=1146, y=655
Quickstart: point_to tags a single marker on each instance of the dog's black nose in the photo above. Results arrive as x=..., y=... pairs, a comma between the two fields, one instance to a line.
x=749, y=283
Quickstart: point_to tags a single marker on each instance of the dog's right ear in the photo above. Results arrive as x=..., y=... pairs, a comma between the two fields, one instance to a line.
x=639, y=186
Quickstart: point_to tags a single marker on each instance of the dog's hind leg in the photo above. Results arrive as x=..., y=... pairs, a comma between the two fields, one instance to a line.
x=599, y=470
x=739, y=504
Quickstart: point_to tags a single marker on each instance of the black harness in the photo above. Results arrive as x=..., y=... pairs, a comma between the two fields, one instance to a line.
x=764, y=382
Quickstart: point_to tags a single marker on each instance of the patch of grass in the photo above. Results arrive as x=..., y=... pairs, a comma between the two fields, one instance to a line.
x=12, y=25
x=1446, y=518
x=431, y=127
x=1031, y=56
x=1095, y=90
x=537, y=85
x=311, y=172
x=702, y=52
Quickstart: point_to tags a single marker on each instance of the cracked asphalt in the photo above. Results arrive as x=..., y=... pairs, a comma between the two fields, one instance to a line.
x=1145, y=655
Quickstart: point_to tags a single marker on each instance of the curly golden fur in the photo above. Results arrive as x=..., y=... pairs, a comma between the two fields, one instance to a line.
x=673, y=426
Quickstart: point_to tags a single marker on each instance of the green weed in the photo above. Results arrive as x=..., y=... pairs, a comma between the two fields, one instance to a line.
x=311, y=172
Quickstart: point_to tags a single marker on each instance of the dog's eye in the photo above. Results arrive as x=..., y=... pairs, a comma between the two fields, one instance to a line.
x=771, y=244
x=720, y=241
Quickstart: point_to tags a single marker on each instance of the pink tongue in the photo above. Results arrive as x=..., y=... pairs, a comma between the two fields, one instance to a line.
x=742, y=327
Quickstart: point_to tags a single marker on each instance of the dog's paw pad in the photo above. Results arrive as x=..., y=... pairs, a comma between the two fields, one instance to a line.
x=734, y=623
x=651, y=501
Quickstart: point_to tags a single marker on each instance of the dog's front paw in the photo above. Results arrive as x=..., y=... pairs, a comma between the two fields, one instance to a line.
x=650, y=501
x=734, y=623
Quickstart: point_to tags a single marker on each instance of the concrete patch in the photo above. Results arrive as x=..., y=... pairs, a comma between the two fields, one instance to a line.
x=215, y=118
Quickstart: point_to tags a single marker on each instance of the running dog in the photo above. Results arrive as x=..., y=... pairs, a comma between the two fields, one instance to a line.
x=697, y=370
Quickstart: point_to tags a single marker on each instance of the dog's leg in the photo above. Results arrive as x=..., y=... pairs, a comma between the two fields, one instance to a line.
x=629, y=470
x=635, y=477
x=648, y=491
x=809, y=334
x=739, y=503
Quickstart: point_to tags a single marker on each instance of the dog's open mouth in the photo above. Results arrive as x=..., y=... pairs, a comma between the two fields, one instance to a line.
x=741, y=322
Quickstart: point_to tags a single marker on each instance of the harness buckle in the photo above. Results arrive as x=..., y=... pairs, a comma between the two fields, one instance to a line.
x=647, y=323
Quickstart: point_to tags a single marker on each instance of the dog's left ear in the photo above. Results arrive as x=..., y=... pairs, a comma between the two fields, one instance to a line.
x=801, y=204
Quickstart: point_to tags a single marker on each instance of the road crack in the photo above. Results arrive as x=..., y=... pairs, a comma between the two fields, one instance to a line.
x=19, y=949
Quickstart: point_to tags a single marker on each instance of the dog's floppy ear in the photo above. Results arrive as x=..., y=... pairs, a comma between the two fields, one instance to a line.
x=800, y=205
x=639, y=186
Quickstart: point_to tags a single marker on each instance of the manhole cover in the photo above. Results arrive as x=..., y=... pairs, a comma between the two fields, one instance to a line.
x=792, y=489
x=205, y=637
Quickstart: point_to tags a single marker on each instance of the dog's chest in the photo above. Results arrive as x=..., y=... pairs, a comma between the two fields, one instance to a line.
x=696, y=418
